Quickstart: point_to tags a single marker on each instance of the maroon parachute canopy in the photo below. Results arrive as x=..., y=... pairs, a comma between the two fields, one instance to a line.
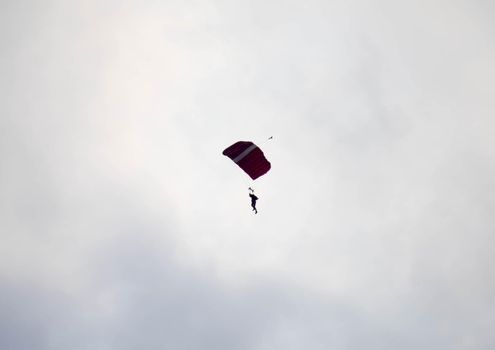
x=249, y=158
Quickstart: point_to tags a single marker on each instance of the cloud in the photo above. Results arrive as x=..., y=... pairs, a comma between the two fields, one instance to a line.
x=122, y=226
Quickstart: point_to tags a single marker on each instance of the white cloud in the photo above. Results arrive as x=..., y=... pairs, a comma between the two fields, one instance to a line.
x=122, y=221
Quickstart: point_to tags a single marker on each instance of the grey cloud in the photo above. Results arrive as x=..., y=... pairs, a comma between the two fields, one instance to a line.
x=139, y=298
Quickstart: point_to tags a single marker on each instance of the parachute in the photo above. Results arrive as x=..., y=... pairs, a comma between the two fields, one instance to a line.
x=249, y=158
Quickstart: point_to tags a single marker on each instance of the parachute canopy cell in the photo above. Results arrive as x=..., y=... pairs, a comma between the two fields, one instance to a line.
x=249, y=158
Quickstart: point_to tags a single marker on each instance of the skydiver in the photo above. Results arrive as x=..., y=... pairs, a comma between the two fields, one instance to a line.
x=253, y=200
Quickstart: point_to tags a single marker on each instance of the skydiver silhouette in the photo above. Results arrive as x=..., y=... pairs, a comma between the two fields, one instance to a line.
x=253, y=200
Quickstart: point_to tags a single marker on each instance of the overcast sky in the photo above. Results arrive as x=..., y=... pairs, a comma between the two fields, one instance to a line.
x=122, y=225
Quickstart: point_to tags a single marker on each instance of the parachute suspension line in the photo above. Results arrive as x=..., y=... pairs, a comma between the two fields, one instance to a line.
x=249, y=183
x=263, y=143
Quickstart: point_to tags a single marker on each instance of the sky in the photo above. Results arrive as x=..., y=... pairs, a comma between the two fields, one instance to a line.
x=122, y=225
